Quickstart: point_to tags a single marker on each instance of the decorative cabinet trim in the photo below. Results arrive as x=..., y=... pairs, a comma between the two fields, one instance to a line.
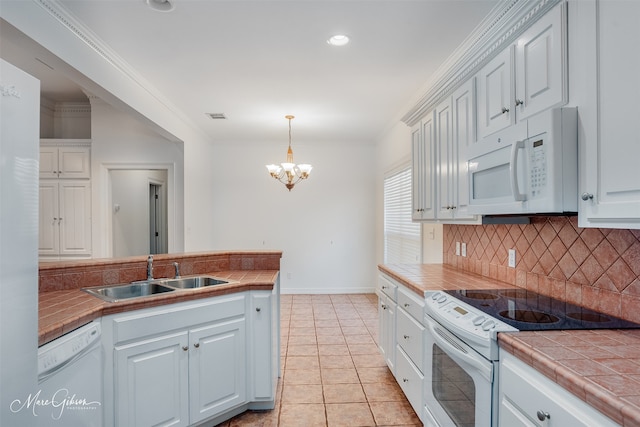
x=63, y=142
x=499, y=29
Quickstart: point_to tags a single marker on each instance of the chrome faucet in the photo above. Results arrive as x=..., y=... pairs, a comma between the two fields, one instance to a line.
x=150, y=267
x=177, y=267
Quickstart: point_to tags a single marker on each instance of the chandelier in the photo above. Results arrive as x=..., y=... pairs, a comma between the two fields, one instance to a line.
x=289, y=173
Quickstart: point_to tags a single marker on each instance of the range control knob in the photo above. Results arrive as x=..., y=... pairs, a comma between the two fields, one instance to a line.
x=478, y=320
x=442, y=299
x=435, y=296
x=489, y=324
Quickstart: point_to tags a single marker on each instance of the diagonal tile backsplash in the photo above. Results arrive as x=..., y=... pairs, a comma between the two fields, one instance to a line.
x=598, y=268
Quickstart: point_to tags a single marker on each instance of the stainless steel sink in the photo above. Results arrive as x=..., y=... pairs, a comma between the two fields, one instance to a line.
x=116, y=293
x=192, y=282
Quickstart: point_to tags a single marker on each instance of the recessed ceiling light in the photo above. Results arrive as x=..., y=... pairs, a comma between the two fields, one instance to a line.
x=160, y=5
x=338, y=40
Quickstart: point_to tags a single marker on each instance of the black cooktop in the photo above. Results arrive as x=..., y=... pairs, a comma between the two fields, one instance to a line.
x=526, y=310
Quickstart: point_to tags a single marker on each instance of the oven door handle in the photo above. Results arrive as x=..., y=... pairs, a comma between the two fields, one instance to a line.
x=455, y=348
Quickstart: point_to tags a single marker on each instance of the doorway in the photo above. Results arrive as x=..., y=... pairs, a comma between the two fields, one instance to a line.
x=139, y=224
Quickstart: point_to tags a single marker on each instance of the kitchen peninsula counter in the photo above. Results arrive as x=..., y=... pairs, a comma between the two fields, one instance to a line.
x=601, y=367
x=63, y=306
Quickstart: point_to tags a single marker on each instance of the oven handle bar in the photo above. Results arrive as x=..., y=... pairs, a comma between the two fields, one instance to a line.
x=459, y=350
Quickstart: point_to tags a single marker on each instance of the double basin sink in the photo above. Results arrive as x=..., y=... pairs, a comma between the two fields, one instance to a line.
x=114, y=293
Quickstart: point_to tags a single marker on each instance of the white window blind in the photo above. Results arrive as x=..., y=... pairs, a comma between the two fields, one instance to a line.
x=402, y=236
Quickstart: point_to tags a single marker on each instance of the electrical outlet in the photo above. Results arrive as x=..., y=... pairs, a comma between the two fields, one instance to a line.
x=464, y=249
x=512, y=258
x=458, y=248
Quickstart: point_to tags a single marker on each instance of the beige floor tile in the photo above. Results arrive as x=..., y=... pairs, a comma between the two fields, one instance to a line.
x=302, y=350
x=375, y=375
x=368, y=360
x=255, y=419
x=339, y=376
x=333, y=350
x=343, y=393
x=336, y=362
x=350, y=322
x=302, y=376
x=302, y=339
x=329, y=331
x=331, y=339
x=363, y=349
x=349, y=415
x=359, y=339
x=299, y=330
x=302, y=393
x=302, y=415
x=354, y=330
x=302, y=362
x=394, y=413
x=327, y=323
x=383, y=392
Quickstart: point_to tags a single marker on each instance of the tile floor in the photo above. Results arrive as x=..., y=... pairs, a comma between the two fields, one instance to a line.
x=333, y=374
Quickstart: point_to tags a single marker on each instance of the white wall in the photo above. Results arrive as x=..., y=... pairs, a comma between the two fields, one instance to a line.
x=324, y=226
x=119, y=141
x=393, y=151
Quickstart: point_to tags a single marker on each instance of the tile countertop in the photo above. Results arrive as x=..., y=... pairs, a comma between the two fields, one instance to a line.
x=601, y=367
x=62, y=311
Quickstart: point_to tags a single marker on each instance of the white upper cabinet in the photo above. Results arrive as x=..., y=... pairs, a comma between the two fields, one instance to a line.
x=455, y=131
x=604, y=78
x=495, y=95
x=525, y=78
x=540, y=56
x=423, y=169
x=65, y=161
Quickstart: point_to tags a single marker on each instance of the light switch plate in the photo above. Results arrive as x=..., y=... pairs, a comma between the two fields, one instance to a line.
x=458, y=248
x=464, y=249
x=512, y=258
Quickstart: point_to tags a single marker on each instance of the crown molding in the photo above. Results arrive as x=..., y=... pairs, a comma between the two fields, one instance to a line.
x=72, y=107
x=501, y=27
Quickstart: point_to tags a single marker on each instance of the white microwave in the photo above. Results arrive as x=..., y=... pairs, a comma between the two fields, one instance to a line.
x=530, y=168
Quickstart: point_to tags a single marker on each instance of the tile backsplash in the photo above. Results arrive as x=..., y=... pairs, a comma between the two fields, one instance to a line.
x=598, y=268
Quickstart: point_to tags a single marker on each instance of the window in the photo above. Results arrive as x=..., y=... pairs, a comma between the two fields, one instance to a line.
x=402, y=237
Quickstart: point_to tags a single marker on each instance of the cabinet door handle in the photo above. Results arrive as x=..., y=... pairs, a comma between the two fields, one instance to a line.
x=406, y=337
x=384, y=307
x=519, y=102
x=586, y=196
x=406, y=305
x=196, y=345
x=185, y=348
x=405, y=380
x=543, y=415
x=384, y=287
x=505, y=110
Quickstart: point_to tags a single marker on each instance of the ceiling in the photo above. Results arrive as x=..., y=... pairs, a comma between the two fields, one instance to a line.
x=256, y=61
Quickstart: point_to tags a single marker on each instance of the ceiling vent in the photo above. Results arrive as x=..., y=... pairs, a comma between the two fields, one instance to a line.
x=216, y=116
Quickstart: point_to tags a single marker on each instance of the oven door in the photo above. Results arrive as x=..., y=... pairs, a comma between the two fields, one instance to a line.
x=458, y=381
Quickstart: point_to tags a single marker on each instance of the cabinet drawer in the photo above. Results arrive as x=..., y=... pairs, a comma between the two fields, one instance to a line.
x=149, y=322
x=388, y=287
x=411, y=303
x=525, y=392
x=410, y=379
x=410, y=336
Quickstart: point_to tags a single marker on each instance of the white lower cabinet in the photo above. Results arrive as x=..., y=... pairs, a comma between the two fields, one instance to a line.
x=528, y=398
x=401, y=337
x=187, y=363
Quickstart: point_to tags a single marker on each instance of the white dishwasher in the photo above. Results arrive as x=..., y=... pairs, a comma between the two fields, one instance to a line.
x=70, y=380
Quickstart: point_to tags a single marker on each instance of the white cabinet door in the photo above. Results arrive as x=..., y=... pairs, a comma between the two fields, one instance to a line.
x=541, y=64
x=75, y=217
x=423, y=169
x=67, y=162
x=48, y=224
x=387, y=329
x=495, y=94
x=610, y=133
x=151, y=382
x=264, y=352
x=217, y=368
x=65, y=218
x=464, y=135
x=445, y=163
